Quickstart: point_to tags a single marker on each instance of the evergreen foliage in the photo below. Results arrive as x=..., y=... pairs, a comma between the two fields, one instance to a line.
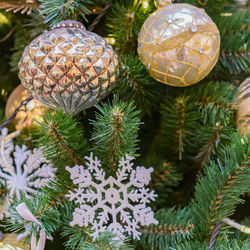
x=55, y=11
x=179, y=122
x=42, y=208
x=225, y=244
x=211, y=141
x=107, y=240
x=218, y=191
x=124, y=22
x=216, y=101
x=234, y=31
x=115, y=132
x=134, y=83
x=165, y=177
x=173, y=227
x=61, y=138
x=187, y=134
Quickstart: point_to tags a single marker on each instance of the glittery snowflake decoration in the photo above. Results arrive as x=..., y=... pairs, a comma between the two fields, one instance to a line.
x=112, y=204
x=21, y=168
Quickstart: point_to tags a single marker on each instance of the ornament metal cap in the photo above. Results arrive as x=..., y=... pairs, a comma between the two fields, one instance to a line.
x=69, y=24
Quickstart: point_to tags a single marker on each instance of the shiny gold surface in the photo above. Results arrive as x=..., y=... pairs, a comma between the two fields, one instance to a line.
x=9, y=242
x=243, y=114
x=25, y=117
x=179, y=44
x=69, y=68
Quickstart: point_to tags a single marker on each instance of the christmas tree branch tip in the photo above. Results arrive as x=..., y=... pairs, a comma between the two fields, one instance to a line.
x=61, y=138
x=56, y=11
x=115, y=131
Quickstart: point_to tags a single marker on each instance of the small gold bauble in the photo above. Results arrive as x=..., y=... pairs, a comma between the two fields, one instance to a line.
x=9, y=242
x=68, y=67
x=243, y=114
x=33, y=108
x=179, y=44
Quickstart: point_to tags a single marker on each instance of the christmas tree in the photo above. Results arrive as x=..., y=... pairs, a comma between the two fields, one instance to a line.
x=124, y=124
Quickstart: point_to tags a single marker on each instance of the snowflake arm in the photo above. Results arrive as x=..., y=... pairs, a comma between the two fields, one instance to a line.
x=27, y=171
x=6, y=148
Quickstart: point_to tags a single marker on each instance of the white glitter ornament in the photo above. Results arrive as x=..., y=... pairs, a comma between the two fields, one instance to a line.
x=28, y=171
x=123, y=198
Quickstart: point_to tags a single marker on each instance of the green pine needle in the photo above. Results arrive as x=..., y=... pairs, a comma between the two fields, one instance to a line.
x=61, y=138
x=55, y=11
x=174, y=227
x=124, y=22
x=218, y=191
x=216, y=101
x=41, y=206
x=115, y=132
x=134, y=83
x=180, y=120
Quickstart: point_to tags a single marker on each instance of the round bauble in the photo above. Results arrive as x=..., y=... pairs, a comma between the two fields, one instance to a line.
x=241, y=3
x=68, y=67
x=243, y=114
x=179, y=44
x=10, y=242
x=26, y=115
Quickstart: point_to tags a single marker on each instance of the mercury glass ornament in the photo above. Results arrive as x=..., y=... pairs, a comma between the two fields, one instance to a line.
x=68, y=67
x=243, y=114
x=25, y=117
x=179, y=44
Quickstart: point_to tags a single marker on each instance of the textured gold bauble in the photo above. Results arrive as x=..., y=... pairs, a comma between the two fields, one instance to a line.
x=25, y=117
x=179, y=44
x=68, y=67
x=9, y=242
x=243, y=114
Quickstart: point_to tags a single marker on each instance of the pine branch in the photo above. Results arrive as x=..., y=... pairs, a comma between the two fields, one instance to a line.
x=41, y=207
x=218, y=192
x=216, y=101
x=211, y=141
x=135, y=83
x=108, y=241
x=223, y=244
x=115, y=132
x=124, y=22
x=174, y=226
x=164, y=177
x=180, y=121
x=61, y=139
x=76, y=236
x=55, y=11
x=234, y=33
x=234, y=30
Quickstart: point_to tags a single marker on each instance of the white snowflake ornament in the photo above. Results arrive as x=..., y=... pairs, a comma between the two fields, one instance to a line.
x=112, y=204
x=28, y=171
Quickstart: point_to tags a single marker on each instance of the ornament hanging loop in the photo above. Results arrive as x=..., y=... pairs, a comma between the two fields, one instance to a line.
x=162, y=3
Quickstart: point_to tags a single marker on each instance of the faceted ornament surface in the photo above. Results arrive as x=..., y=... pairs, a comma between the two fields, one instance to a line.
x=243, y=114
x=68, y=67
x=179, y=44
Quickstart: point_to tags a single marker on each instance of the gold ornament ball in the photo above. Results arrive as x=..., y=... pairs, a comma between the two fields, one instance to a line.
x=25, y=117
x=9, y=242
x=68, y=67
x=243, y=114
x=179, y=44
